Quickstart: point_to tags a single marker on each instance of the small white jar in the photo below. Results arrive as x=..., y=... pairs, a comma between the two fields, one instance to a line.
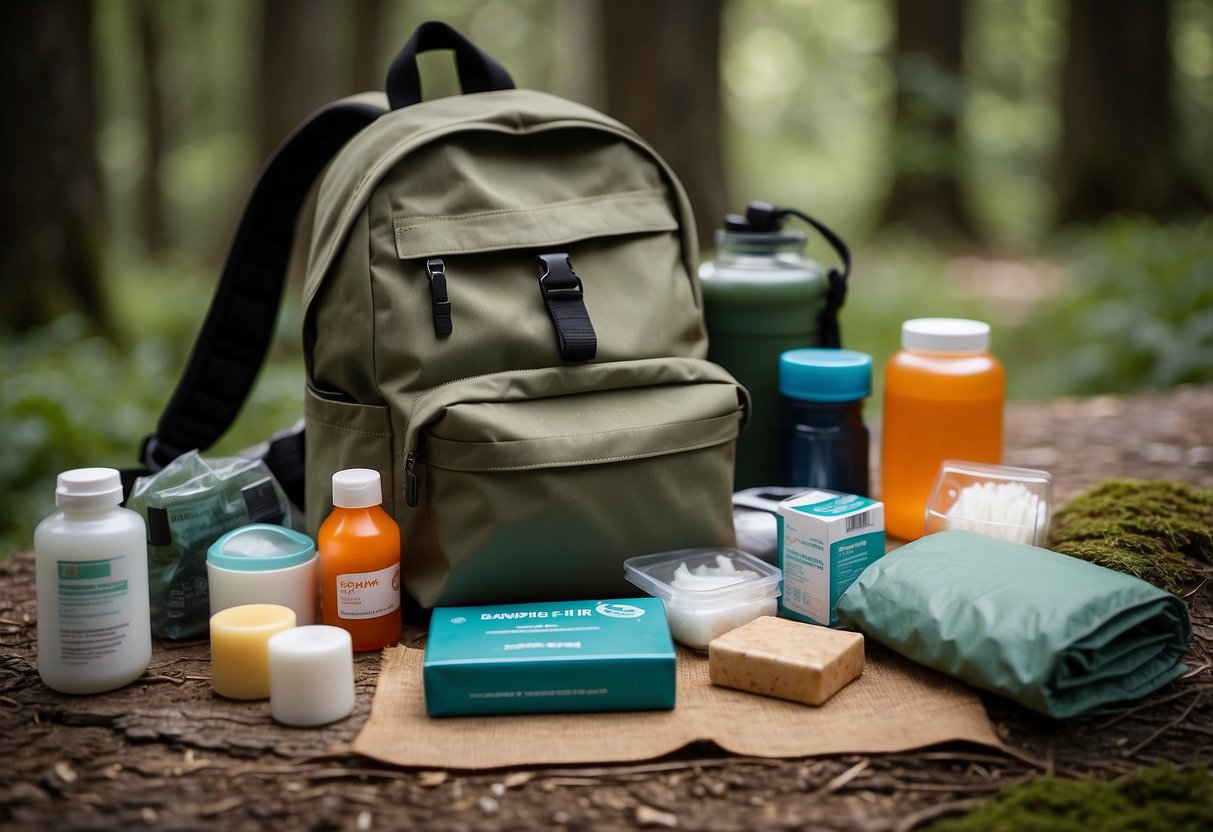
x=264, y=564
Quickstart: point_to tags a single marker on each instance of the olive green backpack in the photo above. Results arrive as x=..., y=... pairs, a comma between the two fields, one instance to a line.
x=501, y=316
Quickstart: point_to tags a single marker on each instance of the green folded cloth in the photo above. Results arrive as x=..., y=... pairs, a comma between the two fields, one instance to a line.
x=1056, y=634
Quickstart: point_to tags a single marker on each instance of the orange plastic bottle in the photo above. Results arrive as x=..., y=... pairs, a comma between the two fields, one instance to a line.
x=360, y=562
x=943, y=399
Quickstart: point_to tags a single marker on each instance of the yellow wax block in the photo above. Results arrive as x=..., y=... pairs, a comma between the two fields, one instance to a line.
x=788, y=659
x=240, y=656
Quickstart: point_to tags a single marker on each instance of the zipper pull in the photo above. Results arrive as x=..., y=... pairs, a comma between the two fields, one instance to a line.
x=435, y=270
x=411, y=491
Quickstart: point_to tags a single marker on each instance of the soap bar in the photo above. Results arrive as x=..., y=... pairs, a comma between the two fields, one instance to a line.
x=240, y=656
x=787, y=659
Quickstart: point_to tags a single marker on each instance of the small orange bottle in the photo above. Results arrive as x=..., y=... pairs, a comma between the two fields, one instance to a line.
x=360, y=562
x=943, y=399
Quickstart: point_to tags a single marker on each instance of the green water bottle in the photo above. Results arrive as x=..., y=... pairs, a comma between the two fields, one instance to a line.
x=763, y=296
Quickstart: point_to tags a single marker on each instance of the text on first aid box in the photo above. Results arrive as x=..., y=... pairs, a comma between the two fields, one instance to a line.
x=826, y=539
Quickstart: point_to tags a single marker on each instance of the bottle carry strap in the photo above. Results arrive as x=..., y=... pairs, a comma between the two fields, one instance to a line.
x=765, y=216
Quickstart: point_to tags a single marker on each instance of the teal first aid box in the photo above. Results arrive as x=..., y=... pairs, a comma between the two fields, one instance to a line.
x=608, y=655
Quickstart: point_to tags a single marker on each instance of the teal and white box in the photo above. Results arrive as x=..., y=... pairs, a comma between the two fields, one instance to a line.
x=612, y=655
x=826, y=539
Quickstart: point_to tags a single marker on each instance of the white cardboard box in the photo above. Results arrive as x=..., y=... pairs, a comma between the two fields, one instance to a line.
x=826, y=539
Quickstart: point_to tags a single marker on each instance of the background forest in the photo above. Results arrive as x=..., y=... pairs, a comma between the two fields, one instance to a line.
x=1041, y=164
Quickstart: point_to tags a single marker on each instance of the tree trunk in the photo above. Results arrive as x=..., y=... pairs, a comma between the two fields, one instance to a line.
x=154, y=214
x=1120, y=134
x=298, y=69
x=369, y=68
x=663, y=80
x=51, y=214
x=929, y=103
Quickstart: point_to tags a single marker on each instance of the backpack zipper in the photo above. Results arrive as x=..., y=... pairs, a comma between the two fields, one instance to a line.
x=412, y=495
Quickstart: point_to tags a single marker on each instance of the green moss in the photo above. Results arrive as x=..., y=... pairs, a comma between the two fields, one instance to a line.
x=1145, y=528
x=1161, y=799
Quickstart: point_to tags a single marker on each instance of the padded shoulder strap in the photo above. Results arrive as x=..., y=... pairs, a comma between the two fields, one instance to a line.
x=239, y=327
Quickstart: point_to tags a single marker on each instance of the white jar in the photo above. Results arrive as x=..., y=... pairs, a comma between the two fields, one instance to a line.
x=94, y=629
x=264, y=564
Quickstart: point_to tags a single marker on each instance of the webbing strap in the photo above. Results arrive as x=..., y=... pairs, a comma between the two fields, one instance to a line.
x=239, y=327
x=564, y=298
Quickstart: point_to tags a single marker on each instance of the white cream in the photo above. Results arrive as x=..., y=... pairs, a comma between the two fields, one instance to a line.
x=705, y=576
x=696, y=625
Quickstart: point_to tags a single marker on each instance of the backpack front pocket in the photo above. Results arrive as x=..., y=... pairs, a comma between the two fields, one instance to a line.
x=538, y=484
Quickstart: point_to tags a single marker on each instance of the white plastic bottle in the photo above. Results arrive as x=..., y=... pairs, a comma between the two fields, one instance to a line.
x=94, y=630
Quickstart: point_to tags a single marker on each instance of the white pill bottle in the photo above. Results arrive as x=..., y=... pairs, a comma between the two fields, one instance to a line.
x=94, y=630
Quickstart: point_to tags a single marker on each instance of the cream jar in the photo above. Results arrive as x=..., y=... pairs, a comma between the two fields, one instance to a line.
x=264, y=564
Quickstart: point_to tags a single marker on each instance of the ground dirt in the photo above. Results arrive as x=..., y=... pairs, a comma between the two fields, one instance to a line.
x=164, y=753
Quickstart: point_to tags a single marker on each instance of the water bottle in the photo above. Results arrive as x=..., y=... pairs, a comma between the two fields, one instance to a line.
x=824, y=443
x=762, y=296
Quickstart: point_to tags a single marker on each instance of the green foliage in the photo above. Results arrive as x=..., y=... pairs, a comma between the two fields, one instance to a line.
x=1138, y=312
x=69, y=398
x=1161, y=799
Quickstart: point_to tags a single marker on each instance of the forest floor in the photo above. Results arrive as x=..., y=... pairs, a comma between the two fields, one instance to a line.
x=165, y=753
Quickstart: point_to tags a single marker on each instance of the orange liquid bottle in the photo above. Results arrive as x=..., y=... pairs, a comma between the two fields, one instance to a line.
x=943, y=399
x=359, y=547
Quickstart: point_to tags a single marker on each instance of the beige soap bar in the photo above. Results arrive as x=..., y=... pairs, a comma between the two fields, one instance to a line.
x=777, y=657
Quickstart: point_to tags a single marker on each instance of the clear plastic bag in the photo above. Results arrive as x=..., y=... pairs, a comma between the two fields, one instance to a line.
x=187, y=506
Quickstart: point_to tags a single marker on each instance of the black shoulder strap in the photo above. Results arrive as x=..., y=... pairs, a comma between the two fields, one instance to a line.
x=239, y=326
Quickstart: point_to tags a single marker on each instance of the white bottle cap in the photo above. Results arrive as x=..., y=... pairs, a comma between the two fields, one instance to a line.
x=88, y=488
x=945, y=335
x=357, y=488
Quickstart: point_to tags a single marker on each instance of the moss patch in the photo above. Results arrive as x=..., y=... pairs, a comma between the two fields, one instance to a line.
x=1142, y=528
x=1161, y=799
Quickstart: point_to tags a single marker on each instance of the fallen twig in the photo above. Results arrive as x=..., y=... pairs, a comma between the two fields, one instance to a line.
x=1199, y=696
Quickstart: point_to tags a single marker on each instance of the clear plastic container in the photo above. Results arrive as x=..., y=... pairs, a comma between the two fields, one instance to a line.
x=698, y=615
x=996, y=500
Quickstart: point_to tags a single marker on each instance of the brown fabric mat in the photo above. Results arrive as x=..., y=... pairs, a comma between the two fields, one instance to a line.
x=894, y=706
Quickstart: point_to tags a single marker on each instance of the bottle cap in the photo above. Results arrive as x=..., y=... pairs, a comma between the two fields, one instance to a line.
x=88, y=488
x=825, y=375
x=357, y=488
x=945, y=335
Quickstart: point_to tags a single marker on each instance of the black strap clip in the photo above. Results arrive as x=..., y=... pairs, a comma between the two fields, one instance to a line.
x=435, y=269
x=563, y=296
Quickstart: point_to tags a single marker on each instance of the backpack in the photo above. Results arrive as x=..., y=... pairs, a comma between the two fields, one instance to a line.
x=502, y=316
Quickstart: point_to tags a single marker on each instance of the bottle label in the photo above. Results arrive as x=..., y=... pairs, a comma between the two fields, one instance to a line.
x=362, y=595
x=93, y=602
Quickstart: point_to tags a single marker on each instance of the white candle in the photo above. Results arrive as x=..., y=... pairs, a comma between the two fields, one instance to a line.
x=239, y=658
x=311, y=675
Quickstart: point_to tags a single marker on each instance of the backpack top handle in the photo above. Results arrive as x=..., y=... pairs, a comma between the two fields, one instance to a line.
x=477, y=71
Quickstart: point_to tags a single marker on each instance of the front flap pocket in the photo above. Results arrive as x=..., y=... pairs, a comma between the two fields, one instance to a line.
x=537, y=484
x=540, y=226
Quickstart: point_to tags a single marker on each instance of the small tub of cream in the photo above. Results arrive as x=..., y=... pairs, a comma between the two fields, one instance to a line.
x=707, y=592
x=264, y=564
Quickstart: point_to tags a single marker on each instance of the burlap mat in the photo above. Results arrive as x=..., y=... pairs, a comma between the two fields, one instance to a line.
x=895, y=706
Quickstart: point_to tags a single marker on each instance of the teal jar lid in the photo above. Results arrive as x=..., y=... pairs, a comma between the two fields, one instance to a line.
x=260, y=547
x=825, y=375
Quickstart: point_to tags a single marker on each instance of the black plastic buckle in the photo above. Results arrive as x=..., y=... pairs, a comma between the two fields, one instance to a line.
x=556, y=275
x=440, y=305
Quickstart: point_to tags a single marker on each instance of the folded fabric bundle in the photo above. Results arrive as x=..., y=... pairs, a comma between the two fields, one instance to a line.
x=1056, y=634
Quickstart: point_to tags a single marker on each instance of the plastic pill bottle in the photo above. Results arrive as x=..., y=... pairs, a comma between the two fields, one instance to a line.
x=94, y=629
x=823, y=440
x=359, y=546
x=943, y=399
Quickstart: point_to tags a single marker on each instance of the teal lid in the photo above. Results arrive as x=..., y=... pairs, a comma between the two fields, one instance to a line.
x=825, y=375
x=260, y=547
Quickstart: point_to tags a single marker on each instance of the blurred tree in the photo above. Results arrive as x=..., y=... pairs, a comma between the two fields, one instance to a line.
x=51, y=244
x=369, y=67
x=929, y=103
x=1120, y=143
x=663, y=80
x=298, y=66
x=153, y=214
